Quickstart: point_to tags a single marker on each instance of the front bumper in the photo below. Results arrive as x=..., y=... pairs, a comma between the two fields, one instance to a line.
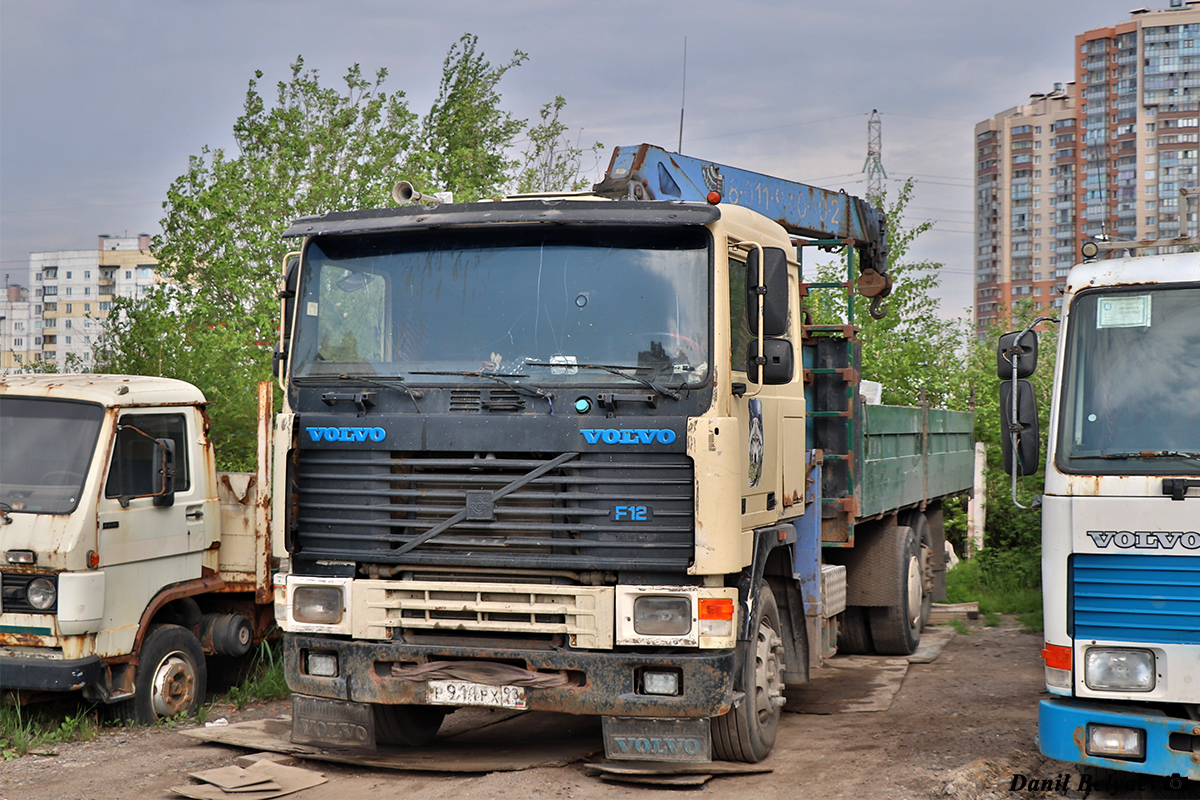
x=49, y=674
x=607, y=685
x=1062, y=732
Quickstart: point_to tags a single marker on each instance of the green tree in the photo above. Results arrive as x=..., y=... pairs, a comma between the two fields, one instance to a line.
x=551, y=163
x=466, y=136
x=912, y=349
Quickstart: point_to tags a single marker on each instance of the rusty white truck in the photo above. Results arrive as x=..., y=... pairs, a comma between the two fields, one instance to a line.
x=126, y=557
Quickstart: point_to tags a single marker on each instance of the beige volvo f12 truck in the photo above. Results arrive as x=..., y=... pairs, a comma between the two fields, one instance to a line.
x=126, y=558
x=589, y=454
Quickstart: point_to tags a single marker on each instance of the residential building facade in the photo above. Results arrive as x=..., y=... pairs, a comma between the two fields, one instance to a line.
x=16, y=329
x=1101, y=157
x=74, y=290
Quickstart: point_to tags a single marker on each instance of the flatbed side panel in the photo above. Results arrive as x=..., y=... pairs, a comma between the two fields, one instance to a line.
x=950, y=453
x=912, y=455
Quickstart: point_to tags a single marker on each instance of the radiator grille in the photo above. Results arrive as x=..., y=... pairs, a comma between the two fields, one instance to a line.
x=362, y=506
x=584, y=613
x=1136, y=598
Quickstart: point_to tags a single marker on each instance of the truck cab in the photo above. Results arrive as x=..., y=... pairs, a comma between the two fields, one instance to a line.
x=111, y=532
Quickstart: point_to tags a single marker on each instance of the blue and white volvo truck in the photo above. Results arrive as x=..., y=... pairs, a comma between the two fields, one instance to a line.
x=587, y=454
x=1120, y=513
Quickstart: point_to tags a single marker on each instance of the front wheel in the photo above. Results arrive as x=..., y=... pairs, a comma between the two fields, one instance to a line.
x=409, y=726
x=171, y=677
x=747, y=731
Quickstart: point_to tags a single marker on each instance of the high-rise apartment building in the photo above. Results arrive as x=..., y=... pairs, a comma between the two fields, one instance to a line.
x=74, y=290
x=1025, y=189
x=1102, y=157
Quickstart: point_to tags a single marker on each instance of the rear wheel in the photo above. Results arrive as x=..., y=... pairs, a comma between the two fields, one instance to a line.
x=747, y=732
x=920, y=526
x=896, y=629
x=408, y=726
x=854, y=632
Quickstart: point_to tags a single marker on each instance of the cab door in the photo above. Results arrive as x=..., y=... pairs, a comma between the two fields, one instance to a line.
x=148, y=539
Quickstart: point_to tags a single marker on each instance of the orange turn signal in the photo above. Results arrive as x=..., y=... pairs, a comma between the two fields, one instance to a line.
x=714, y=197
x=716, y=608
x=1057, y=656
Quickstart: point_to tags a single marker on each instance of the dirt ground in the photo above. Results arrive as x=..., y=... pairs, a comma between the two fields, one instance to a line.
x=960, y=727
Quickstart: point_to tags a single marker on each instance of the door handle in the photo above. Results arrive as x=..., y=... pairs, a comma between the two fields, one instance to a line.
x=195, y=513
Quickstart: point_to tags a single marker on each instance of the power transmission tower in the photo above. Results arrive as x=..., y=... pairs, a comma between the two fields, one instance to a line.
x=873, y=166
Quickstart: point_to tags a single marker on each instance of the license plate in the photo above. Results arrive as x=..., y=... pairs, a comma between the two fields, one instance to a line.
x=466, y=693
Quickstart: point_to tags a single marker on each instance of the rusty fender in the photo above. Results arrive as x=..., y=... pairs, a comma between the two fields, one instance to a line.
x=600, y=682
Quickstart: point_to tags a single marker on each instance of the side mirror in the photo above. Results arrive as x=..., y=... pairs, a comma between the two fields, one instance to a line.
x=775, y=297
x=1025, y=355
x=163, y=469
x=287, y=293
x=779, y=366
x=1025, y=448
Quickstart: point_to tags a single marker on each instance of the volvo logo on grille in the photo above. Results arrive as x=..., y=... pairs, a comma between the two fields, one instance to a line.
x=1147, y=540
x=628, y=435
x=347, y=434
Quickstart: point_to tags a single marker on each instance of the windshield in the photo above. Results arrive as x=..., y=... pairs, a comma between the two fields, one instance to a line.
x=46, y=449
x=1131, y=383
x=535, y=306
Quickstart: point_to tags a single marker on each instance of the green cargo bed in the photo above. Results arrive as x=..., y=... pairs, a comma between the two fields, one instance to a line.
x=912, y=455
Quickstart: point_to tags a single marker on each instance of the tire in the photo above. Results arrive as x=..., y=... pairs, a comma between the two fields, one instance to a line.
x=896, y=629
x=408, y=726
x=747, y=731
x=854, y=632
x=920, y=525
x=171, y=677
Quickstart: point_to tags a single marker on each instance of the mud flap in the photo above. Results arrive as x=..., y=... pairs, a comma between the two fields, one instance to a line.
x=332, y=723
x=657, y=739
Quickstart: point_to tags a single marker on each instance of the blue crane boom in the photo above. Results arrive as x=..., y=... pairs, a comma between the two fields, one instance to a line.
x=648, y=172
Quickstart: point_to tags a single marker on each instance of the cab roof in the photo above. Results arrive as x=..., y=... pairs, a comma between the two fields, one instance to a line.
x=109, y=390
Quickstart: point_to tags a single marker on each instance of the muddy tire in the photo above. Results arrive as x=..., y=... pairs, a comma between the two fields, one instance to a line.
x=171, y=678
x=896, y=629
x=407, y=726
x=854, y=632
x=747, y=732
x=925, y=554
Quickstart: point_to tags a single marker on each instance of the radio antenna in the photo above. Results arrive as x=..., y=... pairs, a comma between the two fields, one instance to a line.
x=683, y=98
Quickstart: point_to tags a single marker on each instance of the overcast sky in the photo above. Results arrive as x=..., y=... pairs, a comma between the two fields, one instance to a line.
x=101, y=103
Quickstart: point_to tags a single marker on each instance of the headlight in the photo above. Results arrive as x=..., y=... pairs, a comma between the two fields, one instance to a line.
x=41, y=594
x=317, y=605
x=662, y=616
x=1119, y=670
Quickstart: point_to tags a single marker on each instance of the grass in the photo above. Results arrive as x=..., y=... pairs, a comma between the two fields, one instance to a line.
x=25, y=729
x=36, y=728
x=265, y=681
x=1002, y=582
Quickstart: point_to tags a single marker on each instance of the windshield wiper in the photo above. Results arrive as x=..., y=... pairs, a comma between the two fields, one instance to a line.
x=535, y=391
x=1145, y=454
x=415, y=394
x=621, y=371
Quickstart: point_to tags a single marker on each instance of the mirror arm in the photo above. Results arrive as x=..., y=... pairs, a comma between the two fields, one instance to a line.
x=761, y=290
x=1014, y=425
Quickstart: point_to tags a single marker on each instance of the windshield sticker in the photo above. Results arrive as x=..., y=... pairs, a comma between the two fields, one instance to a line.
x=754, y=474
x=563, y=370
x=1131, y=311
x=311, y=309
